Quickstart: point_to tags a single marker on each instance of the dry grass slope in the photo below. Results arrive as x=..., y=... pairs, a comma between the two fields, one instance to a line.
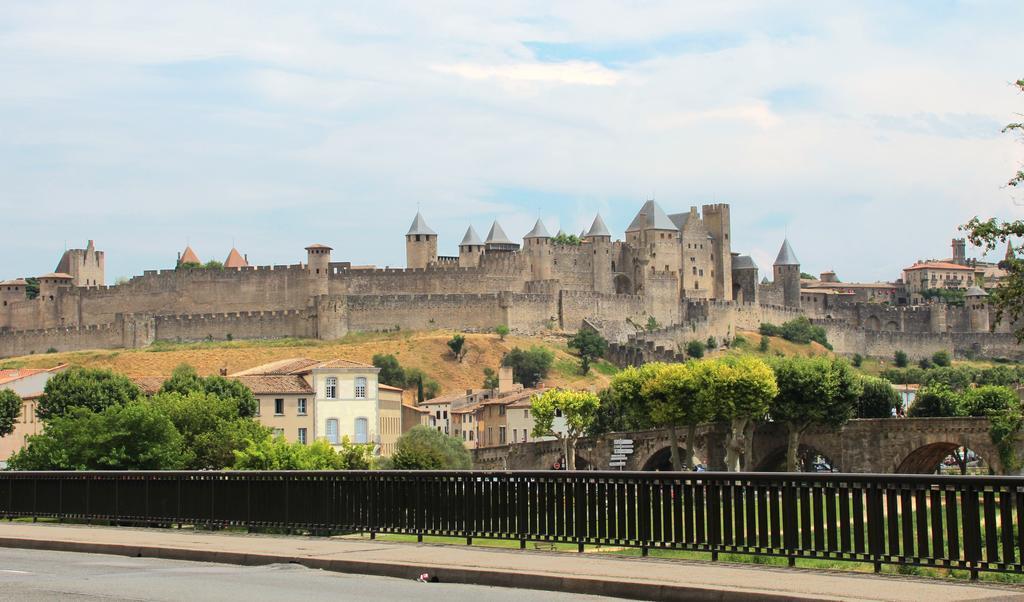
x=425, y=350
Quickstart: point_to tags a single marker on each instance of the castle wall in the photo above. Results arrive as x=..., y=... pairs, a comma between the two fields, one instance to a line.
x=848, y=340
x=610, y=314
x=234, y=325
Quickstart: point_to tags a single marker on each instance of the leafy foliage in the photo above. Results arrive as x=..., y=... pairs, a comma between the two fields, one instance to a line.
x=392, y=373
x=529, y=366
x=877, y=399
x=424, y=448
x=763, y=345
x=457, y=344
x=941, y=359
x=502, y=331
x=31, y=288
x=184, y=380
x=92, y=389
x=579, y=408
x=857, y=360
x=798, y=330
x=934, y=401
x=989, y=400
x=900, y=358
x=274, y=453
x=10, y=409
x=813, y=391
x=491, y=380
x=210, y=426
x=566, y=239
x=652, y=324
x=695, y=349
x=590, y=345
x=949, y=296
x=133, y=436
x=677, y=396
x=743, y=386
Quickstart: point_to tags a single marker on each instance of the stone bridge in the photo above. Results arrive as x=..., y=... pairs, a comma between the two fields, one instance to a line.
x=885, y=445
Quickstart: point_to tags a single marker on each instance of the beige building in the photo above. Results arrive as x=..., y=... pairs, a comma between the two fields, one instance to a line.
x=28, y=383
x=306, y=399
x=927, y=275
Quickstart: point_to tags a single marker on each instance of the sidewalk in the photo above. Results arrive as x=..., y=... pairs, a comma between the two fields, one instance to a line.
x=626, y=577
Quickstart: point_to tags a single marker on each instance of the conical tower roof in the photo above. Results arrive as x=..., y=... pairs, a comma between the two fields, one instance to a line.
x=539, y=231
x=975, y=291
x=235, y=259
x=598, y=228
x=419, y=226
x=1009, y=251
x=786, y=255
x=651, y=217
x=471, y=238
x=188, y=256
x=497, y=235
x=561, y=233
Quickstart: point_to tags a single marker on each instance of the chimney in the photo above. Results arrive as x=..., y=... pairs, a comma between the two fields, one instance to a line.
x=246, y=258
x=505, y=384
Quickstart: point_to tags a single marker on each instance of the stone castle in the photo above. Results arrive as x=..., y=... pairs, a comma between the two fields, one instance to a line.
x=674, y=278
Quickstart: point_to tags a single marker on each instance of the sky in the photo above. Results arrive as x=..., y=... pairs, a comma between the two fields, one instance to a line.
x=864, y=131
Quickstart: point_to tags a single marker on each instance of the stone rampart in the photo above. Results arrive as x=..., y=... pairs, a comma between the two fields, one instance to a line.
x=234, y=325
x=96, y=336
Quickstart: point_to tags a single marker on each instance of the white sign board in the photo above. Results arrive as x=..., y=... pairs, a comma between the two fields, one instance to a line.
x=622, y=442
x=618, y=464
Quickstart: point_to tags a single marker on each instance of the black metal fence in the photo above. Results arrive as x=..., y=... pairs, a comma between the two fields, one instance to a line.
x=971, y=523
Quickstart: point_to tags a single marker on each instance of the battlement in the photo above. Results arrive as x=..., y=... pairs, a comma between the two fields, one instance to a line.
x=233, y=315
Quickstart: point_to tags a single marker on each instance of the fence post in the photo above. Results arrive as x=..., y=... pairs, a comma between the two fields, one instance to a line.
x=876, y=525
x=789, y=522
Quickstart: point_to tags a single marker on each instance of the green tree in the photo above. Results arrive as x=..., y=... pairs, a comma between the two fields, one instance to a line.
x=133, y=436
x=529, y=366
x=800, y=330
x=274, y=453
x=812, y=391
x=652, y=324
x=391, y=372
x=958, y=379
x=624, y=407
x=424, y=448
x=185, y=380
x=426, y=386
x=857, y=360
x=210, y=426
x=763, y=345
x=491, y=380
x=712, y=343
x=900, y=358
x=457, y=344
x=743, y=387
x=579, y=408
x=989, y=400
x=878, y=398
x=31, y=288
x=676, y=398
x=590, y=345
x=767, y=329
x=941, y=358
x=89, y=388
x=566, y=239
x=695, y=349
x=10, y=409
x=925, y=363
x=998, y=375
x=502, y=331
x=936, y=401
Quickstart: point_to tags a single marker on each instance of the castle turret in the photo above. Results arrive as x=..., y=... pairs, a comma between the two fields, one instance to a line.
x=85, y=266
x=236, y=260
x=498, y=242
x=470, y=249
x=959, y=251
x=318, y=263
x=600, y=240
x=537, y=243
x=716, y=220
x=49, y=284
x=188, y=257
x=744, y=279
x=787, y=275
x=657, y=239
x=420, y=244
x=11, y=292
x=976, y=300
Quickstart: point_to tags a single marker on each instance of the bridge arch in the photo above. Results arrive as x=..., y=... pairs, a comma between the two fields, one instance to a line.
x=928, y=458
x=808, y=457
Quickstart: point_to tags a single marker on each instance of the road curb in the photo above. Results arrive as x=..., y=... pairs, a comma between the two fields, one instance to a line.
x=474, y=576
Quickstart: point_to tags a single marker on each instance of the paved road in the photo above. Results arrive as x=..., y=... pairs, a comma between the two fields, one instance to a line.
x=30, y=575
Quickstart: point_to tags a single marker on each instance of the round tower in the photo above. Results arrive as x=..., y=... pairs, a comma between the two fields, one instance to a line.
x=976, y=300
x=318, y=264
x=787, y=275
x=420, y=244
x=938, y=318
x=600, y=240
x=537, y=243
x=470, y=249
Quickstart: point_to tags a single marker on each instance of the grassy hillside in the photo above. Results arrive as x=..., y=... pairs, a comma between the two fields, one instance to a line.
x=425, y=350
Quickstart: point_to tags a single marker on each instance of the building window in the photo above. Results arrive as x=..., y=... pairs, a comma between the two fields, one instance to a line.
x=302, y=435
x=515, y=436
x=278, y=407
x=259, y=402
x=301, y=406
x=526, y=413
x=332, y=431
x=439, y=414
x=361, y=387
x=332, y=388
x=279, y=432
x=362, y=430
x=524, y=436
x=470, y=435
x=446, y=414
x=501, y=435
x=501, y=410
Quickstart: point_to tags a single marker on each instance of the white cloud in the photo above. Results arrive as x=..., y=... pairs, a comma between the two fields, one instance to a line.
x=572, y=72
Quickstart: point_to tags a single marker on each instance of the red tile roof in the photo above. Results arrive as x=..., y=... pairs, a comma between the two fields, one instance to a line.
x=235, y=260
x=189, y=256
x=389, y=387
x=265, y=385
x=300, y=365
x=937, y=265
